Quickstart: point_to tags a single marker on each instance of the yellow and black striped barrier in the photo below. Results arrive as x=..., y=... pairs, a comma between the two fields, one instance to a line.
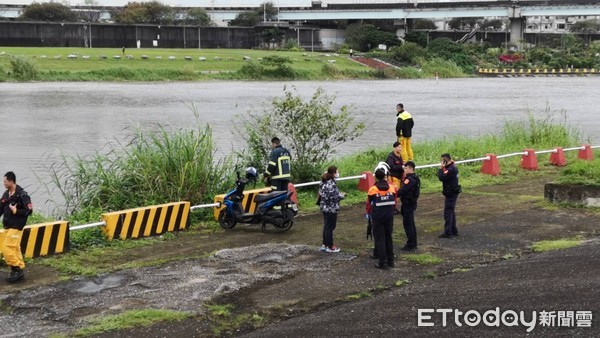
x=538, y=71
x=247, y=203
x=147, y=221
x=43, y=239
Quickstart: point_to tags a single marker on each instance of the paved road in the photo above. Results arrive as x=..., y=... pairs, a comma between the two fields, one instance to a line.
x=565, y=280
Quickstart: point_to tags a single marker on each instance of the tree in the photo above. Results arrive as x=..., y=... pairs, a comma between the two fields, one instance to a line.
x=424, y=24
x=586, y=26
x=409, y=52
x=463, y=23
x=147, y=12
x=309, y=129
x=495, y=24
x=367, y=37
x=197, y=16
x=420, y=38
x=49, y=11
x=266, y=12
x=272, y=35
x=246, y=19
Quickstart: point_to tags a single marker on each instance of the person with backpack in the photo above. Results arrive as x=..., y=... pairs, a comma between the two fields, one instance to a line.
x=409, y=194
x=16, y=207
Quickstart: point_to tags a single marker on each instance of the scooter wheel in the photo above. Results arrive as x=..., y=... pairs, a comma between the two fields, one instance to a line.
x=226, y=221
x=288, y=220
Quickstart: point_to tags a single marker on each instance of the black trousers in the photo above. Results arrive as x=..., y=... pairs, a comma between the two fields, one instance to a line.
x=329, y=224
x=408, y=220
x=382, y=235
x=280, y=185
x=449, y=215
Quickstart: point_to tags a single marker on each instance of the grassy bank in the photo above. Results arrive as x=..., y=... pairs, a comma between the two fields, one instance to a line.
x=544, y=133
x=110, y=64
x=173, y=165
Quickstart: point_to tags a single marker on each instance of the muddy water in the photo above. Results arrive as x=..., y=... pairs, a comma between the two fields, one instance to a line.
x=39, y=121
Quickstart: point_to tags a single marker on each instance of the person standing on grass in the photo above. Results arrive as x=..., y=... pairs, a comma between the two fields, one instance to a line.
x=404, y=126
x=16, y=207
x=448, y=174
x=330, y=197
x=409, y=194
x=381, y=203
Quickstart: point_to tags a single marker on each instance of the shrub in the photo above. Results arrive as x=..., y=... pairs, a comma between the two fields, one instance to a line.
x=154, y=167
x=309, y=129
x=23, y=68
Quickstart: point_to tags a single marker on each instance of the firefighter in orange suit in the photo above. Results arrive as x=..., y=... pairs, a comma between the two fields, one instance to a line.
x=381, y=203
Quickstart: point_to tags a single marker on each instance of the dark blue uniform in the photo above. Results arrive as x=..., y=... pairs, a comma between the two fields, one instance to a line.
x=448, y=174
x=409, y=194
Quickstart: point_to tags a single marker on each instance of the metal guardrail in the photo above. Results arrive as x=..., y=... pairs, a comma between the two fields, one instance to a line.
x=362, y=176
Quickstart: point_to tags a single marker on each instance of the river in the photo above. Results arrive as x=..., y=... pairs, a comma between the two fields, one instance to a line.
x=42, y=120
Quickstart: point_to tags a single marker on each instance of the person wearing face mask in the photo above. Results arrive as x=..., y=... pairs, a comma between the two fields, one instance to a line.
x=330, y=197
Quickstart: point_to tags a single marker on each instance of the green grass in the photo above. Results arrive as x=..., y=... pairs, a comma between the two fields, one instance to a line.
x=130, y=319
x=360, y=295
x=402, y=282
x=582, y=173
x=546, y=132
x=422, y=259
x=223, y=320
x=559, y=244
x=53, y=64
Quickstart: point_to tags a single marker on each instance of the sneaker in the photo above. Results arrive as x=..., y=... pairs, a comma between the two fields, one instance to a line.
x=444, y=235
x=15, y=275
x=406, y=248
x=323, y=248
x=333, y=249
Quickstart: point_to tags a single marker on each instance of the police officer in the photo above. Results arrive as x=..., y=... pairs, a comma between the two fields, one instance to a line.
x=409, y=194
x=448, y=174
x=381, y=202
x=279, y=167
x=15, y=205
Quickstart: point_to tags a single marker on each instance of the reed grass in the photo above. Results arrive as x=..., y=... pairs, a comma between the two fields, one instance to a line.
x=540, y=133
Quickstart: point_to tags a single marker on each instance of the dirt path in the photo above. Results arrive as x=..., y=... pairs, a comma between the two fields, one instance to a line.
x=276, y=276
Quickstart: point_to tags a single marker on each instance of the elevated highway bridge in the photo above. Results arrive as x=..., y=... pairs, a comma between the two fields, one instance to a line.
x=297, y=11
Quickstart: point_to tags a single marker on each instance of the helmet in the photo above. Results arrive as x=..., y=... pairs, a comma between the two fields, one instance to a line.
x=251, y=173
x=383, y=167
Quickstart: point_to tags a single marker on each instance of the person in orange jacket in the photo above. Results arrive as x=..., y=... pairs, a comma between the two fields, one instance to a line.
x=381, y=203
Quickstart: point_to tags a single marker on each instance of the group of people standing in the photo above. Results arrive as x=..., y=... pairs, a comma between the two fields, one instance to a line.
x=396, y=191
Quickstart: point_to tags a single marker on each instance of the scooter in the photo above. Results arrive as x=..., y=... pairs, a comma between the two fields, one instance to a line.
x=274, y=208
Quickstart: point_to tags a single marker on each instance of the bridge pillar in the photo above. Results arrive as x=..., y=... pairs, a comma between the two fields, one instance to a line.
x=517, y=24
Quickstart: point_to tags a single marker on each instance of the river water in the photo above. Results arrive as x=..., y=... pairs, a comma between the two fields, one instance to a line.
x=39, y=121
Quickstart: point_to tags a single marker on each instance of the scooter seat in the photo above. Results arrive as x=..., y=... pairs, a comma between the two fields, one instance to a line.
x=263, y=197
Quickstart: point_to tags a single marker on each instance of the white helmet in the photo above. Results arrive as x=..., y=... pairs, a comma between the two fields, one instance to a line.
x=382, y=166
x=251, y=173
